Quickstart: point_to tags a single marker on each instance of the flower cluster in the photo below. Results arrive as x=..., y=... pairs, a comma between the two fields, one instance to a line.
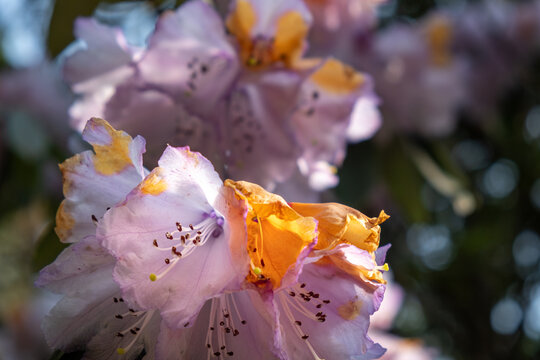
x=239, y=90
x=457, y=60
x=174, y=263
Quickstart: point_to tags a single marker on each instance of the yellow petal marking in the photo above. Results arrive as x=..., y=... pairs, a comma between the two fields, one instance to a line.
x=276, y=233
x=439, y=38
x=337, y=78
x=240, y=22
x=257, y=51
x=113, y=157
x=64, y=222
x=291, y=31
x=153, y=184
x=350, y=310
x=68, y=166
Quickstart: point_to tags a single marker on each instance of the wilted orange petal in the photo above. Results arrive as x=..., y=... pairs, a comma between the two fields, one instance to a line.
x=342, y=224
x=277, y=234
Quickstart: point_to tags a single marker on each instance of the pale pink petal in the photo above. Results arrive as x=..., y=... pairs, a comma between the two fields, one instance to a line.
x=326, y=315
x=94, y=183
x=129, y=337
x=155, y=268
x=83, y=273
x=321, y=123
x=365, y=119
x=238, y=325
x=189, y=56
x=137, y=110
x=81, y=265
x=259, y=143
x=104, y=57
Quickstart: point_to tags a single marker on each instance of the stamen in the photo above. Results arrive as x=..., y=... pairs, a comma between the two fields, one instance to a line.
x=284, y=302
x=187, y=240
x=135, y=331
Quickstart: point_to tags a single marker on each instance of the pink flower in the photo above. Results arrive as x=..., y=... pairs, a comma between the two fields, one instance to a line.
x=175, y=263
x=239, y=91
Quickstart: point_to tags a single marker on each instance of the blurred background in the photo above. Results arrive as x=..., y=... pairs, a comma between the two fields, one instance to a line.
x=456, y=163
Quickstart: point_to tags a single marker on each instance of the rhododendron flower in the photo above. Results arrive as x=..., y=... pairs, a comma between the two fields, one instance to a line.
x=237, y=90
x=175, y=263
x=405, y=58
x=93, y=182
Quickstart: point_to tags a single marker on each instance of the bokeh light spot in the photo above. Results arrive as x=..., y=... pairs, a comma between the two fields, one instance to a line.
x=500, y=179
x=526, y=248
x=535, y=194
x=506, y=316
x=432, y=244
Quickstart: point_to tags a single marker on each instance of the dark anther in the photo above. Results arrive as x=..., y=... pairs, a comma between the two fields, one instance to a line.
x=155, y=243
x=199, y=232
x=318, y=306
x=176, y=252
x=230, y=353
x=208, y=346
x=133, y=332
x=118, y=316
x=228, y=330
x=316, y=296
x=191, y=226
x=222, y=347
x=292, y=293
x=305, y=337
x=186, y=324
x=217, y=353
x=178, y=226
x=235, y=332
x=167, y=261
x=94, y=218
x=221, y=323
x=119, y=334
x=212, y=328
x=115, y=300
x=326, y=301
x=262, y=262
x=168, y=235
x=315, y=95
x=204, y=68
x=254, y=250
x=322, y=319
x=243, y=322
x=254, y=219
x=303, y=285
x=131, y=310
x=121, y=300
x=299, y=323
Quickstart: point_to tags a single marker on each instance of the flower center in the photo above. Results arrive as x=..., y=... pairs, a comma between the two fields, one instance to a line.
x=181, y=242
